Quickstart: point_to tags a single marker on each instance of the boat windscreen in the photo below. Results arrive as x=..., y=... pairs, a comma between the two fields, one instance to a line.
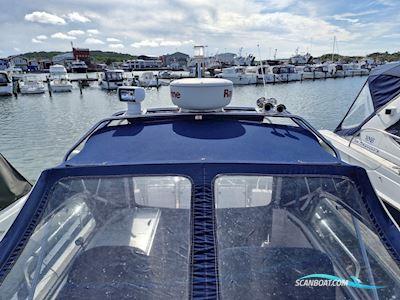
x=361, y=109
x=295, y=238
x=13, y=185
x=114, y=237
x=3, y=78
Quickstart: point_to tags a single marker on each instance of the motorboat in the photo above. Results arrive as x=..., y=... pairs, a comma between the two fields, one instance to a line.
x=263, y=73
x=31, y=84
x=201, y=200
x=14, y=73
x=354, y=69
x=14, y=189
x=285, y=73
x=111, y=79
x=369, y=134
x=167, y=75
x=149, y=79
x=238, y=75
x=320, y=71
x=79, y=66
x=59, y=81
x=6, y=85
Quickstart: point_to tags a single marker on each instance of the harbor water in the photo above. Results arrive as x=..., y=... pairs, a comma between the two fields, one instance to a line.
x=37, y=130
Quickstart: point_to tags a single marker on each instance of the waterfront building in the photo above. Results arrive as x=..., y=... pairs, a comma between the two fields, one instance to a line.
x=177, y=60
x=18, y=61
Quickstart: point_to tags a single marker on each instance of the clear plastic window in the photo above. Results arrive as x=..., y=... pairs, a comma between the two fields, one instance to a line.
x=117, y=237
x=273, y=231
x=361, y=109
x=3, y=78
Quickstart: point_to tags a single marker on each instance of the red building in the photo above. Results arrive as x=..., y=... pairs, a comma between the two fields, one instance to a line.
x=81, y=54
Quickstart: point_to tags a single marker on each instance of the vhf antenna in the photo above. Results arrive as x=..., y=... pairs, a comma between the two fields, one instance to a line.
x=262, y=71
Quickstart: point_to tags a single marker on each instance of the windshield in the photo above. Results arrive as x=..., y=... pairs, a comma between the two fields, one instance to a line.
x=361, y=109
x=114, y=76
x=115, y=237
x=133, y=237
x=292, y=237
x=3, y=78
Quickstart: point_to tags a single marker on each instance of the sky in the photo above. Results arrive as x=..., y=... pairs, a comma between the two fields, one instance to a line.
x=158, y=27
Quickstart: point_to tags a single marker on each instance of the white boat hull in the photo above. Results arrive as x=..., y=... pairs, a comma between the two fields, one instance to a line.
x=110, y=85
x=150, y=83
x=8, y=215
x=241, y=80
x=316, y=75
x=6, y=90
x=287, y=77
x=384, y=175
x=60, y=88
x=32, y=90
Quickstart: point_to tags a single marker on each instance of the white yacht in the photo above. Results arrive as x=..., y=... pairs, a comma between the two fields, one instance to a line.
x=285, y=73
x=321, y=71
x=238, y=75
x=6, y=85
x=59, y=81
x=112, y=79
x=263, y=73
x=369, y=134
x=149, y=79
x=31, y=84
x=354, y=69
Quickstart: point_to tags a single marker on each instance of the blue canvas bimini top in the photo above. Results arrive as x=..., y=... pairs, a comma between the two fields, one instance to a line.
x=205, y=141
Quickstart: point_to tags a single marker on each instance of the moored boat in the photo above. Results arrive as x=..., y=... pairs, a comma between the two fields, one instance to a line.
x=31, y=84
x=112, y=79
x=369, y=134
x=6, y=85
x=238, y=75
x=59, y=81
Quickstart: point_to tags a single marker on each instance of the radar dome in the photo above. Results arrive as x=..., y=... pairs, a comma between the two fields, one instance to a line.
x=201, y=94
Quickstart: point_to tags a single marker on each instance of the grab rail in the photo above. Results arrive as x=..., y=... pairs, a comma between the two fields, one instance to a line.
x=384, y=132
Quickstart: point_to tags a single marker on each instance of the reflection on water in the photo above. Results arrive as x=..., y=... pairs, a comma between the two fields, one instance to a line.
x=36, y=130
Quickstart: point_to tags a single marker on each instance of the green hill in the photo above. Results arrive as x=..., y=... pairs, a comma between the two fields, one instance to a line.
x=96, y=56
x=379, y=56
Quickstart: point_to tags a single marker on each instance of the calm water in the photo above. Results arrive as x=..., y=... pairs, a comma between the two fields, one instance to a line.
x=37, y=130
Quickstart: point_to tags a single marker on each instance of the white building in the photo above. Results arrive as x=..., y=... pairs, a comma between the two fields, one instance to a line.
x=18, y=61
x=140, y=64
x=64, y=59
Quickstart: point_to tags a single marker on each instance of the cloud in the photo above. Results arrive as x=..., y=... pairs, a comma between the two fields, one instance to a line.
x=160, y=42
x=17, y=49
x=76, y=32
x=94, y=41
x=92, y=31
x=44, y=18
x=76, y=17
x=41, y=37
x=349, y=17
x=113, y=40
x=62, y=36
x=116, y=46
x=36, y=41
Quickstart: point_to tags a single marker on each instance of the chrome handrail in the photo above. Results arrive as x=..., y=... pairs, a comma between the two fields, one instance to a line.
x=384, y=132
x=120, y=116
